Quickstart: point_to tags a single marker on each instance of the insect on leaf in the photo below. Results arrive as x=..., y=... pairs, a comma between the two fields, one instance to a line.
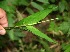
x=34, y=18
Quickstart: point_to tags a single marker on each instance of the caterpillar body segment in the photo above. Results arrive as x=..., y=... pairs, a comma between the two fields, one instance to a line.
x=43, y=21
x=47, y=20
x=39, y=22
x=51, y=19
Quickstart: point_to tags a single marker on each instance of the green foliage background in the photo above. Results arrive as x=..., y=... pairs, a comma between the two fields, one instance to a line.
x=36, y=10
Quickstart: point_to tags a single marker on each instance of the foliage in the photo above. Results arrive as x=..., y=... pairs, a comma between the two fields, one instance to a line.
x=66, y=47
x=34, y=18
x=37, y=10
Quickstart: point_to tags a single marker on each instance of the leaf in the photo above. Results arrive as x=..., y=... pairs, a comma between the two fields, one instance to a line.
x=52, y=1
x=43, y=1
x=66, y=47
x=68, y=33
x=53, y=27
x=14, y=2
x=67, y=50
x=39, y=33
x=10, y=22
x=19, y=15
x=8, y=8
x=11, y=34
x=45, y=45
x=37, y=6
x=30, y=11
x=61, y=6
x=23, y=2
x=64, y=27
x=34, y=18
x=18, y=34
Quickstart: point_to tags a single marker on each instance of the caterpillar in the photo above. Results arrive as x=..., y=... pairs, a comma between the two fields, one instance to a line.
x=31, y=24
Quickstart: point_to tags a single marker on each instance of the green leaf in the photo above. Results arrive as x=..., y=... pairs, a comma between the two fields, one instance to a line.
x=45, y=45
x=53, y=27
x=23, y=2
x=39, y=33
x=67, y=50
x=61, y=6
x=37, y=6
x=15, y=2
x=66, y=47
x=18, y=34
x=11, y=34
x=69, y=32
x=34, y=18
x=19, y=15
x=53, y=1
x=7, y=7
x=30, y=11
x=43, y=1
x=64, y=27
x=10, y=24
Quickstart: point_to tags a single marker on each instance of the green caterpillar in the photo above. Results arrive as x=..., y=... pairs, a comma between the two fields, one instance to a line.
x=31, y=24
x=34, y=18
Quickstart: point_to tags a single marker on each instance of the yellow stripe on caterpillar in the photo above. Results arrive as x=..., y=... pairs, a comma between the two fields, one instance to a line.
x=43, y=21
x=51, y=19
x=34, y=23
x=23, y=25
x=56, y=18
x=16, y=26
x=47, y=20
x=39, y=22
x=30, y=24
